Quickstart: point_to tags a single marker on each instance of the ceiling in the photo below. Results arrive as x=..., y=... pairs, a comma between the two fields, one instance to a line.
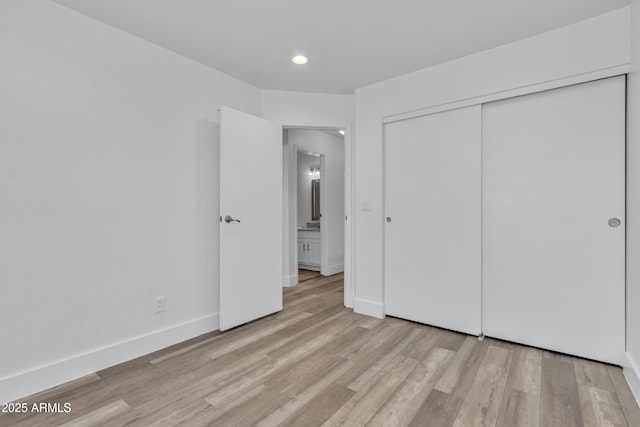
x=350, y=43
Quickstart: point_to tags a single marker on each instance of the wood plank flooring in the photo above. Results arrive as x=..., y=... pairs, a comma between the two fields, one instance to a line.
x=304, y=275
x=317, y=363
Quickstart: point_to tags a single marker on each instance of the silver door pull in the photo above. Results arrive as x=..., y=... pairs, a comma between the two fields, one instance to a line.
x=388, y=219
x=228, y=219
x=614, y=222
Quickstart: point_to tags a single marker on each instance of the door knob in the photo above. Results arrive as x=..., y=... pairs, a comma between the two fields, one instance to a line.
x=388, y=219
x=228, y=219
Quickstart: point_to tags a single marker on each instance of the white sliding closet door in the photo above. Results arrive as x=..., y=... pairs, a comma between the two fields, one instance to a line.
x=432, y=230
x=553, y=193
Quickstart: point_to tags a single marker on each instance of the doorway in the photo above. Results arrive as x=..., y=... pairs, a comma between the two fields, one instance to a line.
x=314, y=202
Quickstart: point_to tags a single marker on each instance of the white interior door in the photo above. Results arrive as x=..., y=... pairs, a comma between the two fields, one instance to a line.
x=432, y=230
x=251, y=193
x=553, y=177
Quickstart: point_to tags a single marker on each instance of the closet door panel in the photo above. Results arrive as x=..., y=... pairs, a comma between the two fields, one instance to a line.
x=553, y=178
x=432, y=202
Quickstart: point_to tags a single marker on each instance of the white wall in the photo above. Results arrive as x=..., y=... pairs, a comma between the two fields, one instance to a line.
x=633, y=205
x=308, y=109
x=595, y=44
x=108, y=170
x=332, y=180
x=305, y=162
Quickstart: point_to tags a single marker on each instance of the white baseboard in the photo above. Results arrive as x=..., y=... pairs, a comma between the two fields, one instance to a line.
x=330, y=270
x=632, y=374
x=289, y=281
x=43, y=377
x=370, y=308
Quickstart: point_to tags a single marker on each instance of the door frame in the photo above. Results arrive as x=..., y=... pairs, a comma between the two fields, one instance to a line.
x=324, y=251
x=349, y=225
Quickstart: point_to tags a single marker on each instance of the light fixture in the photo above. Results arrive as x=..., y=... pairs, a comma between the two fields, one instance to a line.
x=341, y=131
x=314, y=172
x=299, y=60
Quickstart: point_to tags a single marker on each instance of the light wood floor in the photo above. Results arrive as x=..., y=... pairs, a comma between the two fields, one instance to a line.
x=304, y=275
x=317, y=363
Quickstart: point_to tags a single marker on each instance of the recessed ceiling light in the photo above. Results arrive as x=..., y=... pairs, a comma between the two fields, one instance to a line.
x=341, y=131
x=299, y=60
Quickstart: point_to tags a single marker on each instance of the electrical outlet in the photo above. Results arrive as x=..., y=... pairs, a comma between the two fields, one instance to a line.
x=159, y=304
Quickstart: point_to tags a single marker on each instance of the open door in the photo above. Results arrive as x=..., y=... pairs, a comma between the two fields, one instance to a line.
x=250, y=218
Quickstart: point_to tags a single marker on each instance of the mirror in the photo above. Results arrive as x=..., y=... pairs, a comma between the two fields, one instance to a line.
x=308, y=190
x=315, y=200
